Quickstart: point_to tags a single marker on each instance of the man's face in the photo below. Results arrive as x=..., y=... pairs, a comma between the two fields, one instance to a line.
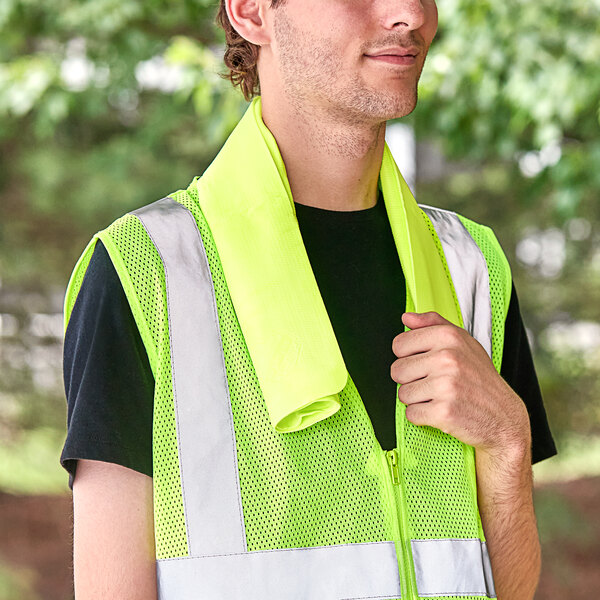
x=357, y=59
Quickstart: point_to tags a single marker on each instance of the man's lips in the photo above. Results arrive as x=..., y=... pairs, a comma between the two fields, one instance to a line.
x=395, y=56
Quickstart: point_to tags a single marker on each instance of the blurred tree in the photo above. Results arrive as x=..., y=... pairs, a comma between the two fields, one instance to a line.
x=520, y=79
x=104, y=106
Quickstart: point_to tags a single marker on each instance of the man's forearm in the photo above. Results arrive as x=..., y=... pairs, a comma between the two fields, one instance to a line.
x=506, y=505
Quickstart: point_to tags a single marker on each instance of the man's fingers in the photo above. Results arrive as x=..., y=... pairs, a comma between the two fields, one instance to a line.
x=426, y=338
x=411, y=368
x=432, y=413
x=418, y=414
x=416, y=391
x=421, y=413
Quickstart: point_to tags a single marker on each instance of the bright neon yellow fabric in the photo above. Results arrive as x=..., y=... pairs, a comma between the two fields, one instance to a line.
x=276, y=297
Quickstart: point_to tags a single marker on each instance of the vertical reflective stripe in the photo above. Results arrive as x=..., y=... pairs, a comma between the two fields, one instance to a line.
x=452, y=568
x=344, y=572
x=469, y=273
x=205, y=434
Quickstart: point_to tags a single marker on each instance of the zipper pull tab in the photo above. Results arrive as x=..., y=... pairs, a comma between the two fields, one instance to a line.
x=392, y=456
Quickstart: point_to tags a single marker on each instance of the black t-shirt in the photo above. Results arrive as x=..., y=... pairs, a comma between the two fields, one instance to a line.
x=109, y=384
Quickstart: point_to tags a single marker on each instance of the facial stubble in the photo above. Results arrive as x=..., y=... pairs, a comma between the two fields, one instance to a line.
x=312, y=79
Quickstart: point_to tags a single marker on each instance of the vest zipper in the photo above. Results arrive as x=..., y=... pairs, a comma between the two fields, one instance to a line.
x=392, y=456
x=398, y=496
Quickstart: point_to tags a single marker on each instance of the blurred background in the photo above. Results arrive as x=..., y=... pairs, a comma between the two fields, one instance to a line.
x=107, y=105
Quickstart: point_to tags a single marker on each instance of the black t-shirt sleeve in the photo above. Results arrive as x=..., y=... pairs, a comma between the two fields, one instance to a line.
x=519, y=372
x=108, y=380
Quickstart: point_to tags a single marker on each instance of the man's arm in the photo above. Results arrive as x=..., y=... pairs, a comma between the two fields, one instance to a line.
x=113, y=545
x=449, y=382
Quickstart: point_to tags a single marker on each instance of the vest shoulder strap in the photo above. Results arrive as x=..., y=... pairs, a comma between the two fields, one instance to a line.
x=480, y=273
x=140, y=270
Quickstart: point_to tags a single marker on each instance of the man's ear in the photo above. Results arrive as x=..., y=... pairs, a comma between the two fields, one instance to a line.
x=248, y=19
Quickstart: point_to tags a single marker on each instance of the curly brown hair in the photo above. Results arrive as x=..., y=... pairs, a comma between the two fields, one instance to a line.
x=241, y=55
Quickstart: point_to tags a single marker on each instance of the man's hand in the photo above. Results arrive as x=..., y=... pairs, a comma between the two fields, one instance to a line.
x=449, y=382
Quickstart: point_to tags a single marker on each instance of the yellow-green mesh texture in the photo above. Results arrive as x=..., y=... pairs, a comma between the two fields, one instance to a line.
x=320, y=486
x=500, y=282
x=438, y=477
x=142, y=276
x=438, y=471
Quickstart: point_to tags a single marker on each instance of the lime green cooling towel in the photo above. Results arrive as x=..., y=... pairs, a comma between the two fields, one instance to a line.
x=245, y=197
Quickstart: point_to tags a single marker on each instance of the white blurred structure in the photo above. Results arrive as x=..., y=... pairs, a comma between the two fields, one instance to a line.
x=402, y=143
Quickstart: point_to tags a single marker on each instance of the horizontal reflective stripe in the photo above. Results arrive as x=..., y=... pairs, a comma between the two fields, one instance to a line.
x=343, y=572
x=469, y=273
x=452, y=568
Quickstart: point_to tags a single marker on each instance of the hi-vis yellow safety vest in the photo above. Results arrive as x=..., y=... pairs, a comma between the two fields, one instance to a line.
x=269, y=482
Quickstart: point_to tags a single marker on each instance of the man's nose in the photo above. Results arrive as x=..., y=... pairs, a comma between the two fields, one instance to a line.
x=403, y=14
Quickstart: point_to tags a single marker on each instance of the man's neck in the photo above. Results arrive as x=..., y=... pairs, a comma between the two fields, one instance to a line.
x=330, y=164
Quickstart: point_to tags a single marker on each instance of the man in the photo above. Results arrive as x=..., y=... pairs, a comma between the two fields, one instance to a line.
x=258, y=472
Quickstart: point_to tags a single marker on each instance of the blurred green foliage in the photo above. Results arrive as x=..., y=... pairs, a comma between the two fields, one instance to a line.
x=107, y=105
x=84, y=134
x=29, y=465
x=510, y=77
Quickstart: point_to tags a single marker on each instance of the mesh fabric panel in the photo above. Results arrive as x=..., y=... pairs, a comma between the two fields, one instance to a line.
x=500, y=282
x=440, y=494
x=447, y=506
x=80, y=274
x=327, y=484
x=144, y=284
x=318, y=486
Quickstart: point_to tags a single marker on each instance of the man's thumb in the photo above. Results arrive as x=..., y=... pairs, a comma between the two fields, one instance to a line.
x=414, y=320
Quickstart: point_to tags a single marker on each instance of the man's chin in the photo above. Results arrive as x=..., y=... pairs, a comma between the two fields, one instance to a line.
x=403, y=103
x=367, y=104
x=390, y=104
x=396, y=109
x=404, y=111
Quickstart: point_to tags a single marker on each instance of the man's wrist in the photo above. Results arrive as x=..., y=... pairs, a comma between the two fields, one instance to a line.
x=510, y=445
x=513, y=453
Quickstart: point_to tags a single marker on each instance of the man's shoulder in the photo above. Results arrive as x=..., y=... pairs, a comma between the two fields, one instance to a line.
x=130, y=219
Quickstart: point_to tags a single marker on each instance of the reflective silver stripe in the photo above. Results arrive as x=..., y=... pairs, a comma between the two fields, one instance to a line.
x=452, y=568
x=344, y=572
x=207, y=452
x=469, y=273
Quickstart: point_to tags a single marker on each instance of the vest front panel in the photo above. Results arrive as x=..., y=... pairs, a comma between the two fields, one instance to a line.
x=329, y=485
